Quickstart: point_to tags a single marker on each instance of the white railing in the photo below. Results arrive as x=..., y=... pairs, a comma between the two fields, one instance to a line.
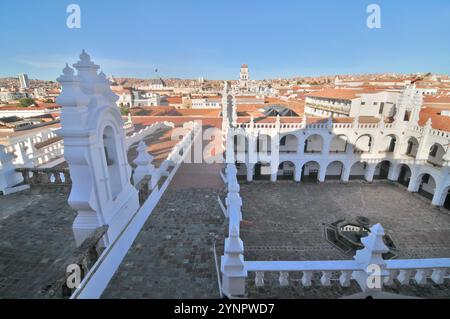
x=235, y=269
x=97, y=279
x=421, y=270
x=143, y=133
x=418, y=270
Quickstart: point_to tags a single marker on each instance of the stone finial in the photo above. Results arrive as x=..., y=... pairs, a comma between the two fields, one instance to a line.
x=370, y=255
x=143, y=161
x=129, y=118
x=304, y=120
x=84, y=57
x=67, y=75
x=330, y=121
x=71, y=94
x=143, y=157
x=85, y=62
x=429, y=124
x=374, y=246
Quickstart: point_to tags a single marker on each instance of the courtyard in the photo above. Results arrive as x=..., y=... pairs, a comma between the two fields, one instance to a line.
x=286, y=221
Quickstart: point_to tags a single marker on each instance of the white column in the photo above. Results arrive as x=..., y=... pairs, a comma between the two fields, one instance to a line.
x=394, y=172
x=345, y=177
x=250, y=172
x=298, y=173
x=370, y=171
x=322, y=173
x=438, y=197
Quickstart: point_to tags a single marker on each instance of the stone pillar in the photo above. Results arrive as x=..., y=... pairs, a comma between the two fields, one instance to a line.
x=274, y=163
x=345, y=177
x=439, y=194
x=298, y=173
x=414, y=184
x=371, y=261
x=394, y=172
x=322, y=174
x=370, y=171
x=250, y=171
x=20, y=154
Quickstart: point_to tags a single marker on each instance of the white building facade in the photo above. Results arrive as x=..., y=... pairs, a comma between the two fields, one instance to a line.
x=416, y=156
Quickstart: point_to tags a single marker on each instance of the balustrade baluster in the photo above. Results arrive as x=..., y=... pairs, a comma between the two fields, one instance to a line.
x=325, y=279
x=404, y=276
x=306, y=279
x=422, y=275
x=344, y=278
x=259, y=279
x=389, y=279
x=284, y=278
x=438, y=276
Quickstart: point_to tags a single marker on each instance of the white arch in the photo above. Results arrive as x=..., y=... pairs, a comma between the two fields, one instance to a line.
x=312, y=145
x=342, y=169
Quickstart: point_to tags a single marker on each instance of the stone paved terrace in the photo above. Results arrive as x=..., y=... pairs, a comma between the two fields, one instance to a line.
x=172, y=257
x=35, y=239
x=284, y=221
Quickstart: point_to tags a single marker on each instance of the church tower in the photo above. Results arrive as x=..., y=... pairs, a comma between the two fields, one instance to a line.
x=244, y=77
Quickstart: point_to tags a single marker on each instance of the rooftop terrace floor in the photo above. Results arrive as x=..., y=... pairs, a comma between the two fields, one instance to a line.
x=36, y=239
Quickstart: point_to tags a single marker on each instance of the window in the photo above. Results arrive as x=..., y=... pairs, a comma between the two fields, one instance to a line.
x=381, y=108
x=434, y=151
x=409, y=149
x=283, y=141
x=407, y=114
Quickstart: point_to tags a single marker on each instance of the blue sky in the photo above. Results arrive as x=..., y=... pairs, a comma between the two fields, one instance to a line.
x=212, y=38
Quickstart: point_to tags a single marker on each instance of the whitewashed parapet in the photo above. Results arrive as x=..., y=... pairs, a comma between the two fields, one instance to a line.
x=368, y=268
x=101, y=273
x=148, y=130
x=420, y=271
x=178, y=151
x=233, y=268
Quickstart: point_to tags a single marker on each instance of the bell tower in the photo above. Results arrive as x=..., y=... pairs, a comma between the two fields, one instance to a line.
x=244, y=77
x=94, y=143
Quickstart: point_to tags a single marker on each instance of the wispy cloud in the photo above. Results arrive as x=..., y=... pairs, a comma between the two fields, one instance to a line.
x=57, y=62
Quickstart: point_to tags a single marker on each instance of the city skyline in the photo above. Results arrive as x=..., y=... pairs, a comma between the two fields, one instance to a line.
x=212, y=40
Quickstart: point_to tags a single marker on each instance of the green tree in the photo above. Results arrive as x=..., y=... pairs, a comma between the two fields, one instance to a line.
x=26, y=102
x=124, y=110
